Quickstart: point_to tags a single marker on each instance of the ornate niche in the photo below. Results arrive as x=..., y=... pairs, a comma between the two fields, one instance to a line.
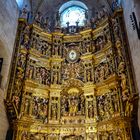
x=40, y=108
x=72, y=104
x=87, y=45
x=57, y=45
x=37, y=72
x=72, y=67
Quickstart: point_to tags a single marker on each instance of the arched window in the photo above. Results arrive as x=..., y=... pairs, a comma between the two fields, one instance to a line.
x=72, y=12
x=20, y=3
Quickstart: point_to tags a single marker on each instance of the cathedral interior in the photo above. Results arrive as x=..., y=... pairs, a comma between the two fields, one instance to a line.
x=69, y=70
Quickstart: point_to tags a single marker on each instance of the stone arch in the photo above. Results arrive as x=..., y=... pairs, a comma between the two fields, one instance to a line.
x=72, y=3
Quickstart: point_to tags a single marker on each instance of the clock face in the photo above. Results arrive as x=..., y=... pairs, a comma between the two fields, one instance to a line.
x=72, y=55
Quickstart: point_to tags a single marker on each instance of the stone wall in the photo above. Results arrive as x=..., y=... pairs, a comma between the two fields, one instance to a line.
x=3, y=118
x=8, y=24
x=129, y=7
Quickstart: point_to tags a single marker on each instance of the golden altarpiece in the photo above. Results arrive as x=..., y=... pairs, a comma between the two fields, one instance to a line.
x=71, y=87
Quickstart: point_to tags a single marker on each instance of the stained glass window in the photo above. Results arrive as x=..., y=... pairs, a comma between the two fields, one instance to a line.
x=72, y=15
x=20, y=3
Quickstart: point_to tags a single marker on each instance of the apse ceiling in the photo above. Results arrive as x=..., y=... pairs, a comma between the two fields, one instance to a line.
x=50, y=7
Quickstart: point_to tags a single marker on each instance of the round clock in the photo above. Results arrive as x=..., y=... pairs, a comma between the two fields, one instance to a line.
x=72, y=55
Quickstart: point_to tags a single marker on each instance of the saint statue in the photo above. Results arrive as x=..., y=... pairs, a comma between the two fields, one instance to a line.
x=24, y=13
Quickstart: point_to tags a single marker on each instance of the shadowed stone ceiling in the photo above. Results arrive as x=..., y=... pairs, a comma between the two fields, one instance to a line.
x=50, y=7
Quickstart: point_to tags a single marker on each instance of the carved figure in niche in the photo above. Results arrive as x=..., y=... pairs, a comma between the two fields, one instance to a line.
x=34, y=73
x=56, y=50
x=98, y=17
x=18, y=83
x=116, y=29
x=93, y=23
x=66, y=72
x=84, y=46
x=31, y=70
x=119, y=134
x=72, y=70
x=121, y=67
x=115, y=100
x=101, y=109
x=24, y=136
x=40, y=111
x=96, y=74
x=100, y=42
x=26, y=30
x=119, y=51
x=103, y=136
x=56, y=47
x=24, y=13
x=40, y=108
x=37, y=136
x=55, y=77
x=107, y=72
x=106, y=109
x=101, y=14
x=123, y=81
x=128, y=106
x=82, y=104
x=57, y=19
x=93, y=46
x=47, y=77
x=45, y=109
x=115, y=5
x=101, y=73
x=107, y=35
x=65, y=106
x=54, y=111
x=110, y=61
x=88, y=46
x=73, y=107
x=25, y=37
x=43, y=75
x=46, y=24
x=77, y=71
x=16, y=100
x=48, y=50
x=21, y=61
x=110, y=105
x=26, y=42
x=38, y=75
x=90, y=109
x=104, y=12
x=35, y=106
x=88, y=72
x=91, y=137
x=27, y=106
x=111, y=137
x=34, y=42
x=89, y=76
x=39, y=45
x=43, y=50
x=38, y=18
